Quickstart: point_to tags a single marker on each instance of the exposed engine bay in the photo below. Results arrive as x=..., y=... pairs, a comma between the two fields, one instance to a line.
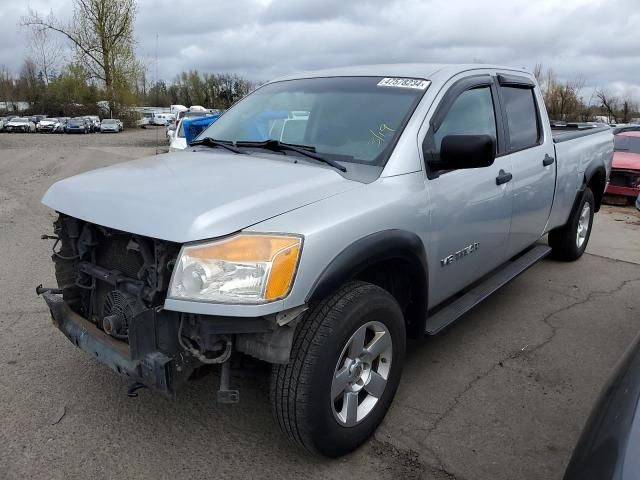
x=115, y=283
x=109, y=277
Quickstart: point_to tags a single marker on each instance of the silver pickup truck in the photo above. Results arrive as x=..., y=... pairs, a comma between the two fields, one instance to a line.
x=321, y=221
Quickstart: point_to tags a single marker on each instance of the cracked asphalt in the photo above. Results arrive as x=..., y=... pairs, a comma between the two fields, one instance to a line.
x=503, y=394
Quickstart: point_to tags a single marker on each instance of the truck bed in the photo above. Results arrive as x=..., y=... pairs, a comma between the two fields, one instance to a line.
x=577, y=147
x=570, y=131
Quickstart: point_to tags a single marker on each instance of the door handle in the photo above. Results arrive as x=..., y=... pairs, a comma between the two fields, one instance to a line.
x=547, y=160
x=503, y=177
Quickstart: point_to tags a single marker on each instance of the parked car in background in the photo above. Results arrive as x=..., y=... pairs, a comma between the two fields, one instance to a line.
x=120, y=124
x=77, y=125
x=419, y=191
x=625, y=172
x=95, y=123
x=173, y=128
x=163, y=119
x=36, y=118
x=49, y=125
x=3, y=122
x=178, y=138
x=609, y=446
x=145, y=120
x=193, y=111
x=63, y=122
x=109, y=125
x=21, y=125
x=626, y=128
x=177, y=108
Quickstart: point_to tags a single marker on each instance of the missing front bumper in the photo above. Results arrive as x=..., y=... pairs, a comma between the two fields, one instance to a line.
x=153, y=369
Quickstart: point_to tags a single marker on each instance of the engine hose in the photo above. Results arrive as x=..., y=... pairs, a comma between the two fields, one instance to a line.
x=198, y=354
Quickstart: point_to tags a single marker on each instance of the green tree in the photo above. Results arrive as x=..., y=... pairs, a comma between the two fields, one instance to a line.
x=71, y=87
x=102, y=34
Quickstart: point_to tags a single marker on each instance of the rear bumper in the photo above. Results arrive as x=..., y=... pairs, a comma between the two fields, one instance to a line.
x=626, y=191
x=154, y=369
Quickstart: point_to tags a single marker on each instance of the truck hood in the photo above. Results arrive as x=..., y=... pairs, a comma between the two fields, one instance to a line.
x=626, y=160
x=188, y=196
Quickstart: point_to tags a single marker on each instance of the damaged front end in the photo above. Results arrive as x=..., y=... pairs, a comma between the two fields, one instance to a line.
x=109, y=302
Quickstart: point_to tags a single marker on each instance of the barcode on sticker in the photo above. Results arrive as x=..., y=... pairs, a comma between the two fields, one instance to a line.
x=404, y=83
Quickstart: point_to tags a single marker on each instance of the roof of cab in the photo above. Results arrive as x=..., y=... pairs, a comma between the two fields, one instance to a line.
x=410, y=70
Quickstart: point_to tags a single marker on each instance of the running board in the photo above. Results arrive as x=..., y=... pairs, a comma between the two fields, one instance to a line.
x=450, y=313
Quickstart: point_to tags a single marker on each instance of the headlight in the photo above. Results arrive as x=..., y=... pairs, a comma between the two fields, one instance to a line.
x=246, y=268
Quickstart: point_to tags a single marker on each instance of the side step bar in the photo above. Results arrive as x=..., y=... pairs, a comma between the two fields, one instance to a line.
x=451, y=312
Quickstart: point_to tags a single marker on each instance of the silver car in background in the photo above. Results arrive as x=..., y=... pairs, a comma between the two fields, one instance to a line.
x=50, y=125
x=109, y=125
x=20, y=125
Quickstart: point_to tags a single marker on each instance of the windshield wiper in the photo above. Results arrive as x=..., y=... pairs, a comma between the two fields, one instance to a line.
x=307, y=151
x=211, y=142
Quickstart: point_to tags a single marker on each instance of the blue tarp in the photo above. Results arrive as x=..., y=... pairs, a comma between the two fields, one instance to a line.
x=195, y=126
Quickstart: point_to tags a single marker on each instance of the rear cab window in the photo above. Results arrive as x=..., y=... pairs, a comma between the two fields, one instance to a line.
x=523, y=120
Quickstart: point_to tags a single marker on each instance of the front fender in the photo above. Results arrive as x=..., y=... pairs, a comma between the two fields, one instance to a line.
x=400, y=245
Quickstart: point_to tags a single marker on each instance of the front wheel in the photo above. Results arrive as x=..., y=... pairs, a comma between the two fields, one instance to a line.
x=343, y=372
x=569, y=242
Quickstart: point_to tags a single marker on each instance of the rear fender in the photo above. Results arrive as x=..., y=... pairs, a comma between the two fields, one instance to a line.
x=595, y=176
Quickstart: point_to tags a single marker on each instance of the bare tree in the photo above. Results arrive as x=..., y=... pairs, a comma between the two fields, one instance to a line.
x=538, y=72
x=46, y=52
x=102, y=34
x=6, y=86
x=609, y=103
x=29, y=84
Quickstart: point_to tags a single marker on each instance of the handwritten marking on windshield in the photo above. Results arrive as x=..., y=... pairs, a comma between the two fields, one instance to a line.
x=378, y=137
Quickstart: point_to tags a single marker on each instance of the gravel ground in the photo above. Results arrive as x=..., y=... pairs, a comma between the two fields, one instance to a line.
x=503, y=394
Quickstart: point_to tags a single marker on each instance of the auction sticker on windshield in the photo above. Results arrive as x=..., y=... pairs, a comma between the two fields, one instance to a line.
x=404, y=83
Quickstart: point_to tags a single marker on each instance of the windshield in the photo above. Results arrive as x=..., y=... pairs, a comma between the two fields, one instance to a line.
x=353, y=119
x=76, y=121
x=108, y=121
x=623, y=143
x=20, y=120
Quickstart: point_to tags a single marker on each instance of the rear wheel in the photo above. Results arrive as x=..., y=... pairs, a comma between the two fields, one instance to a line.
x=569, y=242
x=344, y=370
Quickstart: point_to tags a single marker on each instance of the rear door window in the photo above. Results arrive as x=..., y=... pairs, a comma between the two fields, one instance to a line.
x=522, y=117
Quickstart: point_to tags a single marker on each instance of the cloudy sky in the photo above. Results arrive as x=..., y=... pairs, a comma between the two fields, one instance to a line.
x=598, y=40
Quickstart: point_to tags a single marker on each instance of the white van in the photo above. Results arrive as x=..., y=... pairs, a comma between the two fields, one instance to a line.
x=163, y=118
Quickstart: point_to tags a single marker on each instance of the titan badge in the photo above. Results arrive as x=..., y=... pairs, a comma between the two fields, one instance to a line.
x=459, y=254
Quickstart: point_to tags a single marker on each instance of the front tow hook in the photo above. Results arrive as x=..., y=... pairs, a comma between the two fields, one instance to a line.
x=40, y=290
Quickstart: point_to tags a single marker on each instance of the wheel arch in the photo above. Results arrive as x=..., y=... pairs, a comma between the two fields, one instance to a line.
x=393, y=259
x=595, y=177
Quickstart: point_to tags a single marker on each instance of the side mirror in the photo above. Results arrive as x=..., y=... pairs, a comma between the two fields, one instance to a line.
x=465, y=151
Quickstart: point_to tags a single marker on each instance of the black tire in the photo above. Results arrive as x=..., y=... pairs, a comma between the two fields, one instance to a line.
x=563, y=240
x=301, y=390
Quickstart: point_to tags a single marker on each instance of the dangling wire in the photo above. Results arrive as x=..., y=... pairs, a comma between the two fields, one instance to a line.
x=198, y=354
